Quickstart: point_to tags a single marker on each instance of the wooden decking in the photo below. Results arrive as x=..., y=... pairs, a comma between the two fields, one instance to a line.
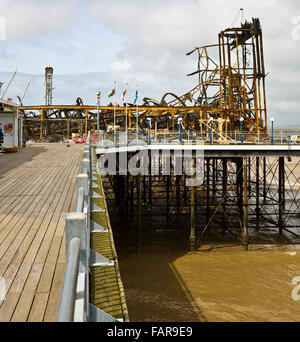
x=37, y=190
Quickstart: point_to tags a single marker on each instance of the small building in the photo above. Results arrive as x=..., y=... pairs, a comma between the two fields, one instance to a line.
x=11, y=123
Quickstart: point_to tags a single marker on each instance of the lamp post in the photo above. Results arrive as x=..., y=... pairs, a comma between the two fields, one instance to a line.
x=98, y=114
x=272, y=136
x=149, y=128
x=137, y=124
x=242, y=138
x=211, y=132
x=179, y=124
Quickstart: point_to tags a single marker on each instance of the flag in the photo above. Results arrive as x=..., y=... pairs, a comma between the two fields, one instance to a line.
x=113, y=91
x=136, y=95
x=124, y=94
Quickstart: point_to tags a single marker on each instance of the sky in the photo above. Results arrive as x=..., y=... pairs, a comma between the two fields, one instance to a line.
x=92, y=43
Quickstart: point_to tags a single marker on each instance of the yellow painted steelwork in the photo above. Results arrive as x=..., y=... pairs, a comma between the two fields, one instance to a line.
x=229, y=88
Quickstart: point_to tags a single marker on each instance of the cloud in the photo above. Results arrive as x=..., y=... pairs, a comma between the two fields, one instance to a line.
x=161, y=32
x=120, y=65
x=145, y=42
x=36, y=18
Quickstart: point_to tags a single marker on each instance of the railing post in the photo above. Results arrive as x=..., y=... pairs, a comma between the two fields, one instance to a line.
x=82, y=185
x=86, y=166
x=82, y=181
x=76, y=227
x=86, y=155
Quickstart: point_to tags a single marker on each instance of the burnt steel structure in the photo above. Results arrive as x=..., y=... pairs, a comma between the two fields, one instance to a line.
x=230, y=87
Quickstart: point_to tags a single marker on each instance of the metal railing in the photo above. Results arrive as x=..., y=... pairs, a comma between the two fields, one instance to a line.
x=146, y=137
x=74, y=303
x=68, y=292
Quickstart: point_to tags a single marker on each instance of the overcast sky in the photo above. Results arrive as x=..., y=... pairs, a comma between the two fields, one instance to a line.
x=92, y=43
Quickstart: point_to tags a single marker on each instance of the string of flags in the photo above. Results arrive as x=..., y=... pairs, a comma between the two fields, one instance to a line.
x=124, y=94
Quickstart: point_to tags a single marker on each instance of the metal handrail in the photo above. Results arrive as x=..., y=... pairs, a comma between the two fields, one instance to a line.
x=74, y=302
x=68, y=293
x=77, y=237
x=123, y=138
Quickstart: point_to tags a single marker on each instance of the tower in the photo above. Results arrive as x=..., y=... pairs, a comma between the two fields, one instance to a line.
x=48, y=85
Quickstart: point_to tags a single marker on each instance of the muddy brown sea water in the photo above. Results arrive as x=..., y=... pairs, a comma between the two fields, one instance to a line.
x=216, y=283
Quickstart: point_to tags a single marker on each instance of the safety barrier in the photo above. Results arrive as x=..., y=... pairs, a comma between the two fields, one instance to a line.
x=74, y=303
x=152, y=137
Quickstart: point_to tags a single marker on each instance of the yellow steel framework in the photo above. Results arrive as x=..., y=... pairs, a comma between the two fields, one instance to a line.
x=231, y=86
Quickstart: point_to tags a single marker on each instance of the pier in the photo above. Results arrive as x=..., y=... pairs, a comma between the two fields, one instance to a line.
x=206, y=169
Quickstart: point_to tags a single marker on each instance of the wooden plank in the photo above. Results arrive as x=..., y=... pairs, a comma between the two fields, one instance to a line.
x=8, y=306
x=50, y=310
x=27, y=295
x=39, y=306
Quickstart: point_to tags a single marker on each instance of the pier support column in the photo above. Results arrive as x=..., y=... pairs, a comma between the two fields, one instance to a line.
x=257, y=208
x=144, y=190
x=224, y=194
x=281, y=195
x=239, y=185
x=207, y=189
x=127, y=193
x=150, y=181
x=245, y=204
x=264, y=180
x=214, y=177
x=168, y=181
x=185, y=190
x=249, y=176
x=178, y=201
x=138, y=216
